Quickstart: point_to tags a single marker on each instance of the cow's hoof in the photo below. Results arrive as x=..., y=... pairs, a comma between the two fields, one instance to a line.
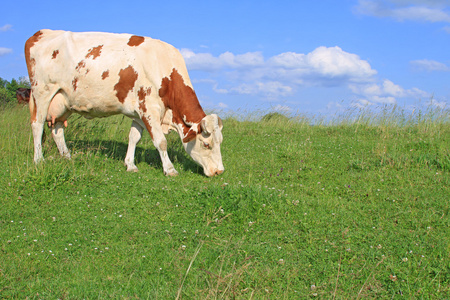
x=132, y=169
x=171, y=173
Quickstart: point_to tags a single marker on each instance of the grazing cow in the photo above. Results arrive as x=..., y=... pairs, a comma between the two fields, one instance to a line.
x=103, y=74
x=23, y=95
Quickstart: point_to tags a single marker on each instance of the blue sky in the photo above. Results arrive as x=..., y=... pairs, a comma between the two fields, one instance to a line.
x=313, y=57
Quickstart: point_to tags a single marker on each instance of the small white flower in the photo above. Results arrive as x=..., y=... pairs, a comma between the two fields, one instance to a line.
x=404, y=259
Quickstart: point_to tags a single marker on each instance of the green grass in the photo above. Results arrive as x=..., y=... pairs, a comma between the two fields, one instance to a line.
x=358, y=208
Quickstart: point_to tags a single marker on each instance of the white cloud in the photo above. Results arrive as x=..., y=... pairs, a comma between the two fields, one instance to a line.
x=386, y=92
x=6, y=27
x=429, y=65
x=209, y=63
x=271, y=90
x=284, y=109
x=437, y=104
x=4, y=51
x=281, y=74
x=406, y=10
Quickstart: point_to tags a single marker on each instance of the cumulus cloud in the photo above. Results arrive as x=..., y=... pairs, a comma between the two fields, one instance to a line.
x=429, y=65
x=437, y=104
x=385, y=92
x=4, y=51
x=208, y=62
x=6, y=27
x=281, y=74
x=406, y=10
x=284, y=109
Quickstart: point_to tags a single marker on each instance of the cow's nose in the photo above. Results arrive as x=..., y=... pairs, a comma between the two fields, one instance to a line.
x=218, y=172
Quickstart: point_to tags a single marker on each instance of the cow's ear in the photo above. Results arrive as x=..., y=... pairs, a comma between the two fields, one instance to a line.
x=220, y=123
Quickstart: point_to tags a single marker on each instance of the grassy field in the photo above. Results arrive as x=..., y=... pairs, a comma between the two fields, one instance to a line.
x=356, y=209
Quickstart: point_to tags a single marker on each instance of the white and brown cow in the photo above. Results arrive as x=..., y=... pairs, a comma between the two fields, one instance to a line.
x=102, y=74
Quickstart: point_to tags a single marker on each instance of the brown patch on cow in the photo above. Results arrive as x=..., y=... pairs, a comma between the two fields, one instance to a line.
x=55, y=53
x=74, y=83
x=33, y=111
x=147, y=125
x=80, y=65
x=127, y=78
x=94, y=52
x=183, y=102
x=143, y=92
x=105, y=74
x=135, y=40
x=31, y=63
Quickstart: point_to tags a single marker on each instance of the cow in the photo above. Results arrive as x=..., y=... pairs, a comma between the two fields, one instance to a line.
x=23, y=95
x=99, y=74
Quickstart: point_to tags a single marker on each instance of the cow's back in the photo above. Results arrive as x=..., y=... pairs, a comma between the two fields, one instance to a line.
x=100, y=70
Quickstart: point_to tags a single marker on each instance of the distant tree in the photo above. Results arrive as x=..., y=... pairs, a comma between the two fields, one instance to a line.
x=24, y=82
x=4, y=96
x=3, y=83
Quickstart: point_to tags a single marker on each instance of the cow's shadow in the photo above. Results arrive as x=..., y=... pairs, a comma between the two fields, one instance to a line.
x=117, y=150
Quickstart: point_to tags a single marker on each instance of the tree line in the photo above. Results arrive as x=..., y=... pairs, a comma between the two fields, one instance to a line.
x=8, y=89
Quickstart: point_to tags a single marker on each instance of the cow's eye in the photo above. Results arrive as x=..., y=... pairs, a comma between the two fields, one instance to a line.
x=206, y=145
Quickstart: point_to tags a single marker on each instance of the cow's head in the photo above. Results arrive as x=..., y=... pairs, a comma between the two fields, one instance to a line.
x=205, y=147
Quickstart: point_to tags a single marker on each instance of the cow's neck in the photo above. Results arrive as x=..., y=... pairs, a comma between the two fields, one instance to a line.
x=182, y=100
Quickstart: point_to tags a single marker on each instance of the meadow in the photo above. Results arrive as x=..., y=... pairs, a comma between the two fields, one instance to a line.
x=354, y=208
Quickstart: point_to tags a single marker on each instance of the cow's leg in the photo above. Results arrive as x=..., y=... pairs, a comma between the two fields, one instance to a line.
x=153, y=125
x=58, y=137
x=39, y=103
x=133, y=140
x=160, y=142
x=37, y=129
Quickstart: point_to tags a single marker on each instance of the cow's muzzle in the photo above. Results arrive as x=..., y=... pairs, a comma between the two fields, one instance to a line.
x=214, y=173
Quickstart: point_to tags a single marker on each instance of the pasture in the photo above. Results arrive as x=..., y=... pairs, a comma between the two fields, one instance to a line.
x=355, y=209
